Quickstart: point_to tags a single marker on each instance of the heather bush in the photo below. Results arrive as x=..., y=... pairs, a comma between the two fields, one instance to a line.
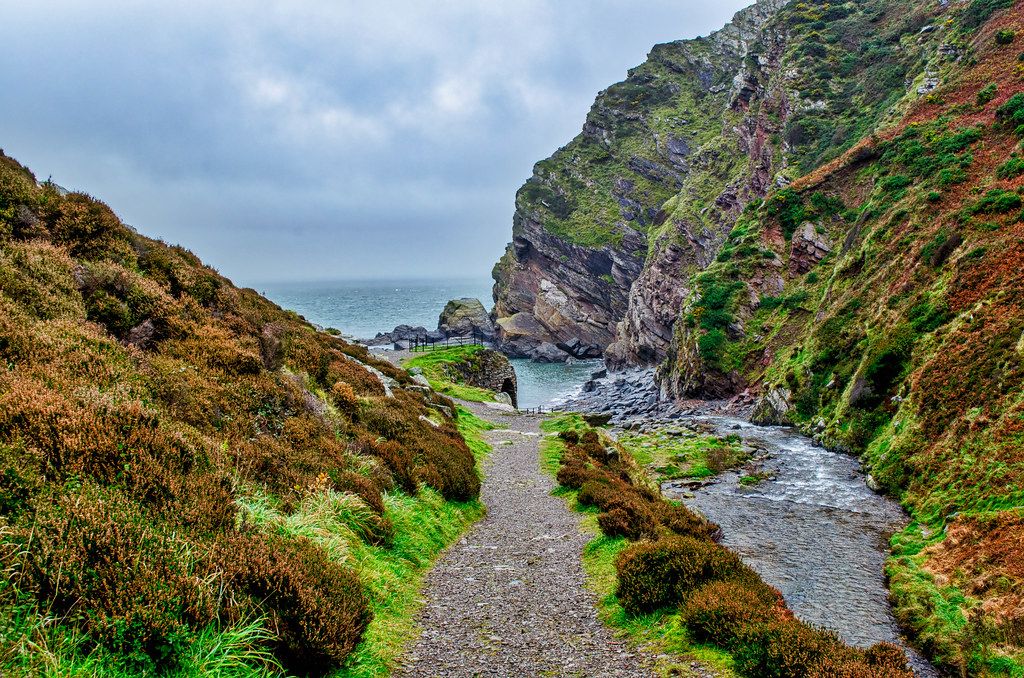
x=445, y=462
x=141, y=388
x=90, y=230
x=41, y=277
x=98, y=557
x=684, y=522
x=394, y=457
x=721, y=611
x=575, y=474
x=784, y=649
x=629, y=521
x=653, y=575
x=316, y=605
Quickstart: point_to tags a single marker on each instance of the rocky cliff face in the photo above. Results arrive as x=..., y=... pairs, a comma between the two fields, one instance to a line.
x=841, y=248
x=610, y=230
x=580, y=231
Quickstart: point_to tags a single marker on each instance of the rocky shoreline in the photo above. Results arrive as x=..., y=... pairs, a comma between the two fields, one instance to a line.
x=630, y=399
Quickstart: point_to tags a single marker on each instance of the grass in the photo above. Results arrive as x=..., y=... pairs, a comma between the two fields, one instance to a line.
x=661, y=633
x=39, y=644
x=436, y=366
x=424, y=527
x=392, y=577
x=673, y=453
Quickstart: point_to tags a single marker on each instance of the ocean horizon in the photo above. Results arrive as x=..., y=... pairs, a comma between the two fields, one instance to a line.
x=362, y=308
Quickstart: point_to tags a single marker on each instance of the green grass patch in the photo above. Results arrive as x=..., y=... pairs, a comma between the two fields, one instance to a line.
x=672, y=453
x=438, y=368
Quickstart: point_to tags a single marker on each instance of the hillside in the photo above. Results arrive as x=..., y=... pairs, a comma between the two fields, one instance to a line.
x=193, y=480
x=844, y=253
x=609, y=229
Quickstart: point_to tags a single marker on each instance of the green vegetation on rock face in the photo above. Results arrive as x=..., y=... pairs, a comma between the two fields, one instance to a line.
x=438, y=368
x=876, y=302
x=194, y=481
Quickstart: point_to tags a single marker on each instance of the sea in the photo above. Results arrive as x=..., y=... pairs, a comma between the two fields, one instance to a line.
x=361, y=309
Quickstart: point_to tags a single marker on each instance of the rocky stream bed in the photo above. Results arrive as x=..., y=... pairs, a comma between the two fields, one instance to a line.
x=812, y=527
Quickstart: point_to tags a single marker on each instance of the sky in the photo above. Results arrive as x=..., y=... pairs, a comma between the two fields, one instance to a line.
x=301, y=140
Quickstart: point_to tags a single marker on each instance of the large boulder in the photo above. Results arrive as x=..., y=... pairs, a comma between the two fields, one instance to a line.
x=549, y=353
x=465, y=317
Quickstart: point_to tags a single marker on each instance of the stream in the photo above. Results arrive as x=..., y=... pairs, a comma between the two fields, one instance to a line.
x=813, y=530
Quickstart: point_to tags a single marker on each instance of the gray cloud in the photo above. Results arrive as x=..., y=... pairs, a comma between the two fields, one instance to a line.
x=310, y=140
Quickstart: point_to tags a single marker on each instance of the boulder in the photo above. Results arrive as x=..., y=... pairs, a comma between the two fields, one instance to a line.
x=549, y=353
x=773, y=408
x=465, y=317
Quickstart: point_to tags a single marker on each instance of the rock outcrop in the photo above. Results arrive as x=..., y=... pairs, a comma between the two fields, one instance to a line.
x=490, y=370
x=581, y=227
x=464, y=318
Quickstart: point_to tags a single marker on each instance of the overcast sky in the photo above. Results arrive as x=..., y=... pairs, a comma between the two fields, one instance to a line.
x=302, y=140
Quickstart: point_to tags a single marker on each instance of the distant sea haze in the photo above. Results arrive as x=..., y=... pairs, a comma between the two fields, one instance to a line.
x=364, y=308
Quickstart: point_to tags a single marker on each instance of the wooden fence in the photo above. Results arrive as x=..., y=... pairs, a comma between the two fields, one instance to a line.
x=423, y=344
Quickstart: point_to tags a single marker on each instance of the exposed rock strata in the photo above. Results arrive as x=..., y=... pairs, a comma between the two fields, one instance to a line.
x=581, y=222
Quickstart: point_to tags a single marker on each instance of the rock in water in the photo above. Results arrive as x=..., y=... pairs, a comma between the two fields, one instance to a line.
x=465, y=317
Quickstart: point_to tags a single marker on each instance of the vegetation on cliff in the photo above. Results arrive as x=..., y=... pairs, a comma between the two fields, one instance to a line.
x=193, y=480
x=876, y=303
x=841, y=237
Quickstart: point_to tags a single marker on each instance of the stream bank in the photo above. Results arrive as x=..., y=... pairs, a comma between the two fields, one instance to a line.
x=811, y=527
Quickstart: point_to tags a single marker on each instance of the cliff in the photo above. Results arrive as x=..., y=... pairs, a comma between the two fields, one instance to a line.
x=582, y=221
x=841, y=250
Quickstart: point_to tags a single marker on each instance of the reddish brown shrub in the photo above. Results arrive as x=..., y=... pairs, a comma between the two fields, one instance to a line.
x=345, y=398
x=787, y=649
x=619, y=522
x=571, y=437
x=98, y=556
x=684, y=522
x=721, y=611
x=659, y=574
x=441, y=455
x=575, y=475
x=395, y=458
x=90, y=229
x=347, y=481
x=316, y=606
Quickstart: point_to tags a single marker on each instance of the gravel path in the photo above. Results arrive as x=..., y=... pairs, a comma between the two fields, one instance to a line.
x=509, y=598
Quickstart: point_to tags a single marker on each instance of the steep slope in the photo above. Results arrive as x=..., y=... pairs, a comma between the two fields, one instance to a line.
x=876, y=303
x=188, y=473
x=581, y=222
x=609, y=230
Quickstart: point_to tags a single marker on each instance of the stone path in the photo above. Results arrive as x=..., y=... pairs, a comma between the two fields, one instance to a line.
x=509, y=598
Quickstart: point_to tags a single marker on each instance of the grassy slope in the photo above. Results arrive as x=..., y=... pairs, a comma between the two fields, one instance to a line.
x=435, y=366
x=904, y=342
x=192, y=480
